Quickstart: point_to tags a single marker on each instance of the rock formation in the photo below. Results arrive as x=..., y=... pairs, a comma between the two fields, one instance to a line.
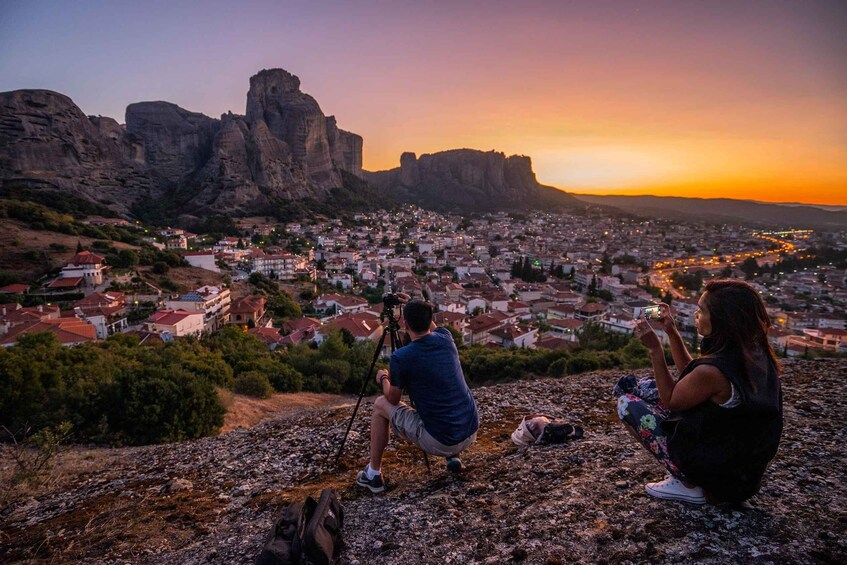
x=47, y=143
x=283, y=149
x=467, y=179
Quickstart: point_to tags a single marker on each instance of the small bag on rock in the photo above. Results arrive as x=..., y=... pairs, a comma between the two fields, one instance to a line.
x=543, y=429
x=306, y=532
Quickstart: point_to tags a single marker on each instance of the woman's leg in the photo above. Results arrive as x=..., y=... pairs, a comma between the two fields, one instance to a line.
x=643, y=419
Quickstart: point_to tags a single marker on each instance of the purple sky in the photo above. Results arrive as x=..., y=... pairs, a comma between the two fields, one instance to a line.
x=743, y=99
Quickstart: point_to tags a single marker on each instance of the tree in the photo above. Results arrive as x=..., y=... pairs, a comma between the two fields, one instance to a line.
x=78, y=246
x=592, y=286
x=667, y=298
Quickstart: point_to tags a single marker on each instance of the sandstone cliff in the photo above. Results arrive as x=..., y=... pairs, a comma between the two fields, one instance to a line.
x=467, y=179
x=214, y=500
x=46, y=142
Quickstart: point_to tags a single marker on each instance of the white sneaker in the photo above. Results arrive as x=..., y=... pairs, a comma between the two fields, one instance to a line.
x=673, y=489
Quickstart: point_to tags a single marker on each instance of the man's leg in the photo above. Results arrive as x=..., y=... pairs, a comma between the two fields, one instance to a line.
x=379, y=431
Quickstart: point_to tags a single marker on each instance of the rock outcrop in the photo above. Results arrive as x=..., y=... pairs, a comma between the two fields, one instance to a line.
x=283, y=149
x=214, y=500
x=467, y=179
x=176, y=142
x=47, y=143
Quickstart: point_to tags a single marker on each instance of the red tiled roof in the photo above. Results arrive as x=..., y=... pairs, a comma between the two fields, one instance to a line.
x=303, y=323
x=268, y=335
x=14, y=288
x=248, y=305
x=87, y=258
x=69, y=282
x=66, y=330
x=171, y=317
x=551, y=342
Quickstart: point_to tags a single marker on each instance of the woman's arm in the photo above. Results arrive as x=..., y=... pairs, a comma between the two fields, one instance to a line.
x=681, y=356
x=700, y=385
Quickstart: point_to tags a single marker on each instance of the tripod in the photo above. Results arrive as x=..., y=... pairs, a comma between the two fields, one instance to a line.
x=391, y=328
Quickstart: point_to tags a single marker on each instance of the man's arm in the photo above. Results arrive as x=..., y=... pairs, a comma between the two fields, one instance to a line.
x=391, y=393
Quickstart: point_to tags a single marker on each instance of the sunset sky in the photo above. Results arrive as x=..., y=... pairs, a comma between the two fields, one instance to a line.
x=709, y=98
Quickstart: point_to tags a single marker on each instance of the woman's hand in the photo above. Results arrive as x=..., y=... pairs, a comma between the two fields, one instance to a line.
x=647, y=336
x=666, y=321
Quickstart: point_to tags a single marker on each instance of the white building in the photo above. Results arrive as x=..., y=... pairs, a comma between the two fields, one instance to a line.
x=87, y=266
x=203, y=260
x=211, y=301
x=282, y=266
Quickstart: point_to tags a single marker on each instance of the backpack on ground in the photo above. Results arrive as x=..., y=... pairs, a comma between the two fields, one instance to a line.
x=306, y=532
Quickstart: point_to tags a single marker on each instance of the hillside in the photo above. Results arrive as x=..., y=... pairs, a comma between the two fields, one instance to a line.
x=215, y=499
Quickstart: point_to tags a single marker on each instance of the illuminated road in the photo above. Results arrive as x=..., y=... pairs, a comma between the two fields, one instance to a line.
x=659, y=276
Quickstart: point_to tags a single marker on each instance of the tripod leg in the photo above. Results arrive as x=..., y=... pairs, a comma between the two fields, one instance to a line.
x=365, y=382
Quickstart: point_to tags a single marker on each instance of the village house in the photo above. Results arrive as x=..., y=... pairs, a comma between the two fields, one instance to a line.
x=86, y=268
x=564, y=328
x=340, y=304
x=106, y=311
x=361, y=325
x=515, y=335
x=178, y=323
x=249, y=311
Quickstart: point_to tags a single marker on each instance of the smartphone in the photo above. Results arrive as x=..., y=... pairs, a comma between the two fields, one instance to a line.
x=652, y=312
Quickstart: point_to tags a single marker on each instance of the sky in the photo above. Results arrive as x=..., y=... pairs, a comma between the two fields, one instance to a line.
x=709, y=98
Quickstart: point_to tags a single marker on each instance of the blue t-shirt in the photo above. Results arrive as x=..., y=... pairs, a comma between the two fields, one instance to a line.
x=430, y=371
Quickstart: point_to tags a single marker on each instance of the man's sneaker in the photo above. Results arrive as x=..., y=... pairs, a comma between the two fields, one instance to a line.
x=673, y=489
x=454, y=464
x=375, y=484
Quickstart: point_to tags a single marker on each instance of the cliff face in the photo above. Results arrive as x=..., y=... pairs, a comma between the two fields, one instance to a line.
x=283, y=149
x=467, y=179
x=46, y=142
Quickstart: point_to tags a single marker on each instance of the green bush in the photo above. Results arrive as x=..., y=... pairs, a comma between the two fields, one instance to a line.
x=582, y=362
x=286, y=379
x=253, y=383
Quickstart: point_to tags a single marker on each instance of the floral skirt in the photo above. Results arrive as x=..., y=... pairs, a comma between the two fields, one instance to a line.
x=639, y=408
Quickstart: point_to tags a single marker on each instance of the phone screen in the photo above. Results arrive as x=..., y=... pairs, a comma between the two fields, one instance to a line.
x=652, y=312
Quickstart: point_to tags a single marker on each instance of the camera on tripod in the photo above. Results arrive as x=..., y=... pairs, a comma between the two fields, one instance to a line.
x=390, y=300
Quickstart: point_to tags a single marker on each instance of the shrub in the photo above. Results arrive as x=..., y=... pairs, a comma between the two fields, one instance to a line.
x=286, y=379
x=160, y=267
x=582, y=362
x=253, y=383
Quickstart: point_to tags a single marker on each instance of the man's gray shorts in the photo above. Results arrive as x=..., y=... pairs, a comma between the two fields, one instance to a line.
x=406, y=422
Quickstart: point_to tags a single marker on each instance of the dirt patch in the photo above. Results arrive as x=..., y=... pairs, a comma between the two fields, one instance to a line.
x=245, y=412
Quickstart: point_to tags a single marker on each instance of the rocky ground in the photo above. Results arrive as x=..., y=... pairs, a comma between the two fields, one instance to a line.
x=215, y=499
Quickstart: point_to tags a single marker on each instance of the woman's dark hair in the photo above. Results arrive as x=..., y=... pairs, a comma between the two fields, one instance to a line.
x=418, y=315
x=739, y=322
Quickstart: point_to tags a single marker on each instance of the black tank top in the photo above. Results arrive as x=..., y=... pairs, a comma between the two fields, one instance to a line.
x=726, y=450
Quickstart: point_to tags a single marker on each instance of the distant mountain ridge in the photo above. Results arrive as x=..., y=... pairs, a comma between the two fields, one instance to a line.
x=725, y=210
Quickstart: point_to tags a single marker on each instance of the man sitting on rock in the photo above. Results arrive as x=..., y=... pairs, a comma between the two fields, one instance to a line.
x=444, y=421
